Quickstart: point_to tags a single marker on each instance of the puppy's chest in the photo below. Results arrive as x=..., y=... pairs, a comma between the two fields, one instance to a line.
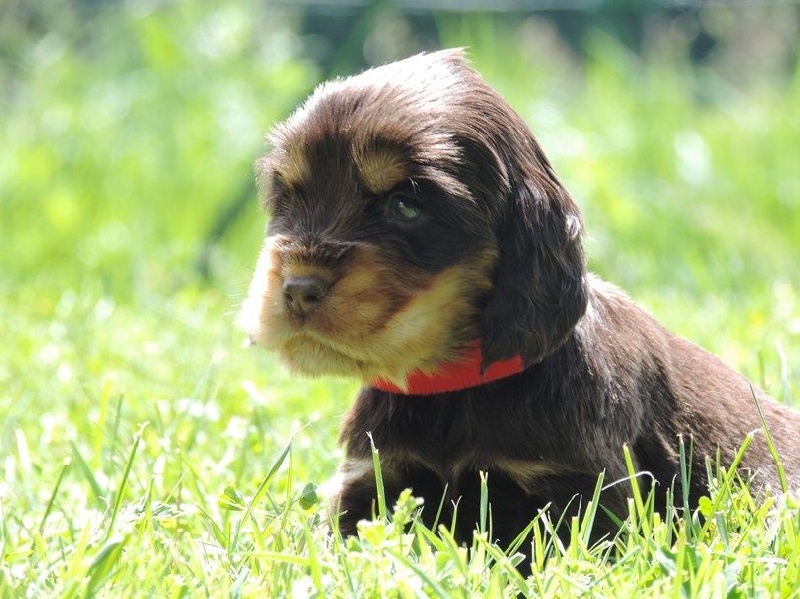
x=451, y=444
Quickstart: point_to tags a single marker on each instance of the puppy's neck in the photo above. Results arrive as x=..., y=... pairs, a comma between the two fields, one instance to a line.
x=457, y=375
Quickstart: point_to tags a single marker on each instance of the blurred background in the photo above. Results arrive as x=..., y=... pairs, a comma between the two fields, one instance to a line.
x=128, y=130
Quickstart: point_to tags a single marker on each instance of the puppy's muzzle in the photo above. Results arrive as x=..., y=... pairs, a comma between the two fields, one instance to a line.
x=303, y=295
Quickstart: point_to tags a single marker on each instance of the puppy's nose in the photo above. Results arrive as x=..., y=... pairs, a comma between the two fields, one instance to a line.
x=303, y=295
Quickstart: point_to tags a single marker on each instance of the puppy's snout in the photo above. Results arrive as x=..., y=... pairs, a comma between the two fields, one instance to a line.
x=303, y=295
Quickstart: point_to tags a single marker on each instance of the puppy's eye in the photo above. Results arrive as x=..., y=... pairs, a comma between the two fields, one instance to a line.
x=404, y=209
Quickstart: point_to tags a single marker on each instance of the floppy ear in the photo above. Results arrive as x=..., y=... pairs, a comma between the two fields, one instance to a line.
x=540, y=288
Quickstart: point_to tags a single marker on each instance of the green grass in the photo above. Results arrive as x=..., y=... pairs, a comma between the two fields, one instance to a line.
x=143, y=452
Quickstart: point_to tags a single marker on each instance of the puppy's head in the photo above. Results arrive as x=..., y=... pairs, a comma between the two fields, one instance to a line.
x=412, y=212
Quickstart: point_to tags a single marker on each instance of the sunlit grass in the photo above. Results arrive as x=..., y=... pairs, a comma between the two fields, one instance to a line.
x=143, y=452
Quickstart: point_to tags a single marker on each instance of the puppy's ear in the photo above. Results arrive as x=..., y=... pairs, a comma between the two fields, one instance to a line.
x=540, y=288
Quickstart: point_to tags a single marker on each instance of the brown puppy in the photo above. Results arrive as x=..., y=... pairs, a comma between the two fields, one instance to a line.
x=420, y=240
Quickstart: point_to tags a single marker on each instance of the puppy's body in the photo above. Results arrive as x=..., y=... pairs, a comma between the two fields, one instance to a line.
x=415, y=217
x=545, y=434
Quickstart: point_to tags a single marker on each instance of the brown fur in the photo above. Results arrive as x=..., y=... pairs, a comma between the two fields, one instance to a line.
x=495, y=255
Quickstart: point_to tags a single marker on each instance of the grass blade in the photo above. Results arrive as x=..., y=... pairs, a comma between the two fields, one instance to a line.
x=484, y=503
x=383, y=513
x=262, y=487
x=587, y=522
x=103, y=566
x=51, y=502
x=773, y=450
x=124, y=482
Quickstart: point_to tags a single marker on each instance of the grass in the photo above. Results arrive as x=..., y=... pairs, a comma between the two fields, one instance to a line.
x=144, y=453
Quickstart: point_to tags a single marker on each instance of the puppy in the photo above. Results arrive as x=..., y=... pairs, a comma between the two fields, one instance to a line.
x=420, y=240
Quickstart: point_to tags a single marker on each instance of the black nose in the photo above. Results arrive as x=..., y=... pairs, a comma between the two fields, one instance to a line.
x=304, y=294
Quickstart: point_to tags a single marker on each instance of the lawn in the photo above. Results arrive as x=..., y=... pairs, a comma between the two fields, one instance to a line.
x=144, y=452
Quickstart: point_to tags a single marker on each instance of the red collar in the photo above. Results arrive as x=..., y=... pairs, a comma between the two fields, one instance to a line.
x=454, y=376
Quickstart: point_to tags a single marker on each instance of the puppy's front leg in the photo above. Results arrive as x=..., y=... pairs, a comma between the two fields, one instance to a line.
x=353, y=492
